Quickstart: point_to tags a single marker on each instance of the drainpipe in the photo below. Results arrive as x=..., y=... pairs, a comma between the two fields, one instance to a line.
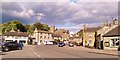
x=119, y=45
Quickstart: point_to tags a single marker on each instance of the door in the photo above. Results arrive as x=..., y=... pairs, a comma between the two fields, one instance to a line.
x=101, y=45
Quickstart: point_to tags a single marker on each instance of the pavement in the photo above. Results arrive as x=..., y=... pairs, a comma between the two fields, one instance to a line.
x=97, y=51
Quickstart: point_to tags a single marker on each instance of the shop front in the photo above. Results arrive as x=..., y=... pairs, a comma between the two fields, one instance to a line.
x=111, y=43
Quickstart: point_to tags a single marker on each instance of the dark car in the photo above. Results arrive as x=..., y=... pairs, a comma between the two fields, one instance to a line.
x=61, y=44
x=11, y=46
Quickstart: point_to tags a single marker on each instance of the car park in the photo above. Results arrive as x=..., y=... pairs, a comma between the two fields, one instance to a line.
x=7, y=46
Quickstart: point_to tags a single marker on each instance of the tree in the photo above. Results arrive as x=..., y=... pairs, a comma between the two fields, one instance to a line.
x=37, y=25
x=18, y=24
x=45, y=27
x=15, y=24
x=31, y=29
x=27, y=27
x=80, y=33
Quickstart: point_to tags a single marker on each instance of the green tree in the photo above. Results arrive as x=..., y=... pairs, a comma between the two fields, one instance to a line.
x=45, y=27
x=18, y=24
x=27, y=27
x=15, y=24
x=31, y=29
x=37, y=25
x=80, y=33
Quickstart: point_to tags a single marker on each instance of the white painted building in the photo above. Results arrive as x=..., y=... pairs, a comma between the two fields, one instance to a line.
x=16, y=36
x=41, y=36
x=111, y=39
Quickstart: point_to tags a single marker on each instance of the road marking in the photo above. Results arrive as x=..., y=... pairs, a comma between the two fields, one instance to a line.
x=35, y=52
x=38, y=55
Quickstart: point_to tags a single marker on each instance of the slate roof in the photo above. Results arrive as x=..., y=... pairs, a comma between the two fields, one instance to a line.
x=41, y=31
x=47, y=32
x=92, y=29
x=56, y=35
x=15, y=34
x=113, y=32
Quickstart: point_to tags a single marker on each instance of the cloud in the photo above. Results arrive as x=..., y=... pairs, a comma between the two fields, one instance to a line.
x=60, y=0
x=66, y=15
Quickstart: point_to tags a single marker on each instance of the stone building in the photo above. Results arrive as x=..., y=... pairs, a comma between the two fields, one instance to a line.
x=78, y=37
x=105, y=29
x=89, y=36
x=41, y=36
x=111, y=39
x=51, y=35
x=64, y=33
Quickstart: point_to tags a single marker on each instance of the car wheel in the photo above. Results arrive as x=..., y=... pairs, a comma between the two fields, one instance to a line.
x=20, y=48
x=6, y=49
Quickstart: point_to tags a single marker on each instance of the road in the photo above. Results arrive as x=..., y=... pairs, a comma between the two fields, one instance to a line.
x=52, y=51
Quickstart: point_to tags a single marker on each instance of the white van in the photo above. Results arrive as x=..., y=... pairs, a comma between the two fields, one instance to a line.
x=48, y=42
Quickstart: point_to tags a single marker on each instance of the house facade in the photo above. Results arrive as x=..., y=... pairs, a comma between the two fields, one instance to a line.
x=64, y=34
x=77, y=38
x=89, y=36
x=111, y=39
x=105, y=29
x=16, y=36
x=42, y=36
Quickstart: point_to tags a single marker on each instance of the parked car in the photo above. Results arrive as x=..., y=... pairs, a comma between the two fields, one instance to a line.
x=78, y=44
x=71, y=44
x=1, y=43
x=48, y=42
x=61, y=44
x=11, y=46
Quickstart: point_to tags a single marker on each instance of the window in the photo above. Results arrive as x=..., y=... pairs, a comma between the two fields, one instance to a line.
x=16, y=37
x=22, y=41
x=48, y=37
x=114, y=42
x=41, y=33
x=90, y=41
x=90, y=35
x=40, y=37
x=45, y=37
x=107, y=44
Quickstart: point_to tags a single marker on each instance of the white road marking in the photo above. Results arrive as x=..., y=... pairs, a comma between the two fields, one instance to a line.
x=35, y=52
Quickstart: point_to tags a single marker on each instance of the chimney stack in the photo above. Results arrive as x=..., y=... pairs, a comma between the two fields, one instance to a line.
x=84, y=26
x=106, y=23
x=115, y=22
x=36, y=30
x=52, y=28
x=18, y=30
x=12, y=30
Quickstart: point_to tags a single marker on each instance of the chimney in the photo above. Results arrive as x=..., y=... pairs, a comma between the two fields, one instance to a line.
x=5, y=30
x=52, y=28
x=12, y=30
x=106, y=23
x=84, y=26
x=36, y=30
x=110, y=24
x=115, y=22
x=18, y=30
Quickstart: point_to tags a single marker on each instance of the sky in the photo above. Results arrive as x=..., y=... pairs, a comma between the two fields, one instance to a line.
x=70, y=14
